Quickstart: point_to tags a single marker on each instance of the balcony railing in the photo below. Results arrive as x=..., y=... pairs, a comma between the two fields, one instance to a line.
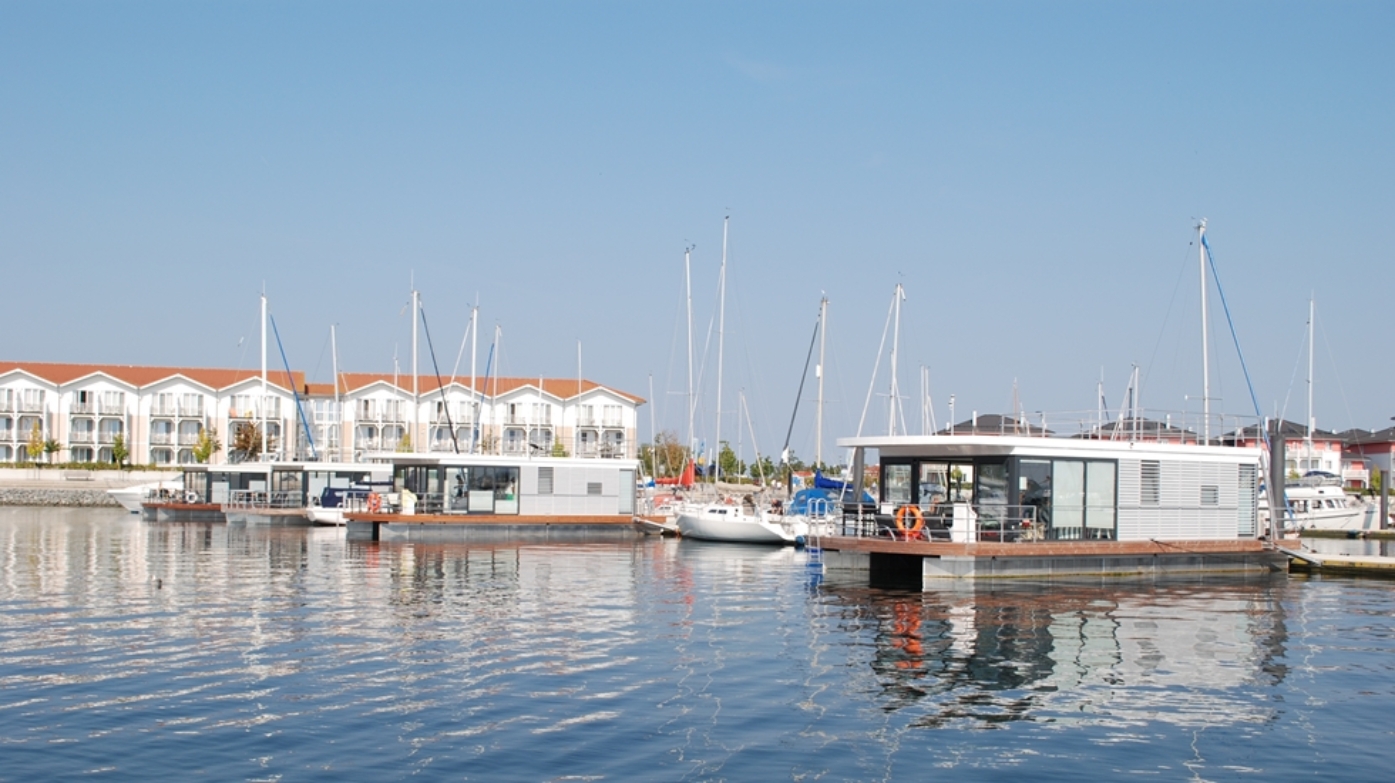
x=80, y=437
x=112, y=408
x=80, y=407
x=107, y=436
x=191, y=411
x=612, y=421
x=7, y=406
x=161, y=438
x=31, y=406
x=188, y=438
x=586, y=420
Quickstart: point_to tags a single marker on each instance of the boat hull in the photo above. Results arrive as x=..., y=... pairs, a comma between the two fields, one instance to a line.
x=733, y=528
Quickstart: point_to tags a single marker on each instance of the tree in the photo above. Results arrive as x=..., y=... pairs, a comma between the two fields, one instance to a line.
x=558, y=450
x=404, y=444
x=207, y=446
x=36, y=443
x=119, y=453
x=51, y=447
x=730, y=465
x=246, y=442
x=665, y=457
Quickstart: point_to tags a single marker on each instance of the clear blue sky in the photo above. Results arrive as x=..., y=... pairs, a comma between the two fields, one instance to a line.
x=1030, y=172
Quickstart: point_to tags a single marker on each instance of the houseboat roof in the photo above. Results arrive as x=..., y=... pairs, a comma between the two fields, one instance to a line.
x=949, y=446
x=446, y=458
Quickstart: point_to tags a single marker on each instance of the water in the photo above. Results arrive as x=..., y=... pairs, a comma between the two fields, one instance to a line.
x=133, y=650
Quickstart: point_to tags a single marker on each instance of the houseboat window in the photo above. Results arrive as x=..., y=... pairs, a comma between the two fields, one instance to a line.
x=896, y=484
x=1068, y=498
x=1100, y=484
x=933, y=488
x=1034, y=490
x=459, y=495
x=990, y=491
x=493, y=490
x=961, y=483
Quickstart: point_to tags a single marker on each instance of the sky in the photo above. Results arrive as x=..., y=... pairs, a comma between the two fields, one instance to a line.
x=1031, y=174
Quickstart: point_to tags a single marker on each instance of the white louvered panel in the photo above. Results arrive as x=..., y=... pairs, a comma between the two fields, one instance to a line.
x=1179, y=484
x=1129, y=486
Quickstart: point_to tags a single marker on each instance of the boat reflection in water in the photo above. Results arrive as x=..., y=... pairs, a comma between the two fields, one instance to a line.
x=1120, y=655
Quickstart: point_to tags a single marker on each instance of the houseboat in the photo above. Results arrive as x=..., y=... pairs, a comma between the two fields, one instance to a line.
x=488, y=498
x=997, y=506
x=255, y=493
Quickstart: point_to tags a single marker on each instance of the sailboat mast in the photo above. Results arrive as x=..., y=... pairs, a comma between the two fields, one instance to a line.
x=721, y=333
x=265, y=439
x=416, y=399
x=474, y=388
x=688, y=290
x=895, y=345
x=1205, y=361
x=334, y=363
x=818, y=410
x=1309, y=438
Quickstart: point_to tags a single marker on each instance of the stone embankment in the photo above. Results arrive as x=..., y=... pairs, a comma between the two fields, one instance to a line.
x=53, y=496
x=55, y=486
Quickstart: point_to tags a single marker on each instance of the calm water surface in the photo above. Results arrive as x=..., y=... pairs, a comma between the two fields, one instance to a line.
x=133, y=650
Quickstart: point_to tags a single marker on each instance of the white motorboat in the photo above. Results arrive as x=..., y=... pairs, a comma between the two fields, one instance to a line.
x=1323, y=505
x=132, y=497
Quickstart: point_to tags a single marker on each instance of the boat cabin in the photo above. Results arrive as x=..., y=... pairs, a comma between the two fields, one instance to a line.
x=1003, y=488
x=500, y=485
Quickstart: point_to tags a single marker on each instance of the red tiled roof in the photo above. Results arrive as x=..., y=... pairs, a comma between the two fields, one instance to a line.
x=59, y=374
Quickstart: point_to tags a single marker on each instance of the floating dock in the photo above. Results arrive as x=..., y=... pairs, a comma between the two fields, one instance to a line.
x=1355, y=565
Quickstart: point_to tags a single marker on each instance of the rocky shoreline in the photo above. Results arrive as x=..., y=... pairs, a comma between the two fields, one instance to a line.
x=54, y=496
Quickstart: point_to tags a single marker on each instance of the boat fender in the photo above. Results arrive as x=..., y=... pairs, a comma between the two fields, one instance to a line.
x=913, y=512
x=375, y=502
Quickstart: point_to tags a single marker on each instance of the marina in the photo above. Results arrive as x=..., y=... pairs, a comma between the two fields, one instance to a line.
x=243, y=652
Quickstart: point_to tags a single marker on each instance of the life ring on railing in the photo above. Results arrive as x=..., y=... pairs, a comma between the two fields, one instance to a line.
x=190, y=496
x=914, y=513
x=375, y=502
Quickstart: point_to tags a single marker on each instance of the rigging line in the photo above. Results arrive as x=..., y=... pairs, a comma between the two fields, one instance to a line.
x=1351, y=420
x=1215, y=275
x=290, y=381
x=876, y=368
x=1177, y=286
x=808, y=357
x=1293, y=377
x=445, y=405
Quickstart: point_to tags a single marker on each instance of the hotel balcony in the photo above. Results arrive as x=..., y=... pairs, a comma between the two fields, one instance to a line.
x=586, y=420
x=111, y=409
x=7, y=406
x=80, y=437
x=613, y=422
x=165, y=410
x=107, y=437
x=81, y=407
x=187, y=439
x=1356, y=476
x=30, y=406
x=161, y=438
x=191, y=411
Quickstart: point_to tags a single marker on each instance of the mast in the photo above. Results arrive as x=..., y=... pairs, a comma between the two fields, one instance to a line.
x=416, y=398
x=474, y=389
x=895, y=345
x=688, y=287
x=1308, y=439
x=1205, y=362
x=265, y=440
x=334, y=363
x=818, y=410
x=721, y=330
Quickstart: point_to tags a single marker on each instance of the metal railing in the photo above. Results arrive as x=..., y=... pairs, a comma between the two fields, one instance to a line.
x=249, y=499
x=161, y=438
x=81, y=407
x=961, y=523
x=84, y=436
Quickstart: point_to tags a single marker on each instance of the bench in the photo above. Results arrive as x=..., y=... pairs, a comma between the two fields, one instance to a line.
x=77, y=475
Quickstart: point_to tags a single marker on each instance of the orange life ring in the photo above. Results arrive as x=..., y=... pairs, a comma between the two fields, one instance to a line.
x=375, y=502
x=914, y=513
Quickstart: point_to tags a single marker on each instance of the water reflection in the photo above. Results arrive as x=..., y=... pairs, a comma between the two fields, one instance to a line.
x=1119, y=653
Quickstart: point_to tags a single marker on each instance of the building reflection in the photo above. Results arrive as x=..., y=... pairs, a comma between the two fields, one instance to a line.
x=1117, y=652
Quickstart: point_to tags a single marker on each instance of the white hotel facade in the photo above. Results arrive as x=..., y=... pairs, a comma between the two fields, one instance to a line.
x=160, y=413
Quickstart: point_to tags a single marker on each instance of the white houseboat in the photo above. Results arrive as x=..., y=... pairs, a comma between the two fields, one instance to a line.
x=956, y=506
x=483, y=497
x=255, y=493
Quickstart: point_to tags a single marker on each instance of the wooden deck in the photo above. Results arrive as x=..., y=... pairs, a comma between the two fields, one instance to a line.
x=990, y=549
